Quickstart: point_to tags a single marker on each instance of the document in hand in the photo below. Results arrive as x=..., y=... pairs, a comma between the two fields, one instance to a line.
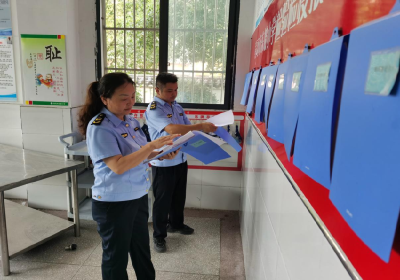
x=222, y=119
x=199, y=145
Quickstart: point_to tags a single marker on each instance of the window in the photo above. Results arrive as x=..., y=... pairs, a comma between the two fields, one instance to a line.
x=195, y=36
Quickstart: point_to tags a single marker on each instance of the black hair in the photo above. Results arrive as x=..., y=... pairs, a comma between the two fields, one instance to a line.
x=164, y=78
x=103, y=88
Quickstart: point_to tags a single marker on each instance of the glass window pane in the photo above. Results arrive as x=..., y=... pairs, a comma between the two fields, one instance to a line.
x=109, y=13
x=200, y=9
x=217, y=88
x=120, y=55
x=179, y=14
x=140, y=86
x=210, y=10
x=178, y=49
x=187, y=87
x=208, y=51
x=157, y=58
x=219, y=51
x=149, y=61
x=171, y=14
x=130, y=56
x=129, y=14
x=157, y=16
x=139, y=14
x=149, y=87
x=149, y=13
x=207, y=89
x=198, y=51
x=120, y=14
x=139, y=50
x=222, y=9
x=110, y=49
x=198, y=87
x=171, y=50
x=189, y=18
x=188, y=50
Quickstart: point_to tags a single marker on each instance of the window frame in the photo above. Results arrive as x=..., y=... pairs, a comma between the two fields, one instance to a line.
x=233, y=23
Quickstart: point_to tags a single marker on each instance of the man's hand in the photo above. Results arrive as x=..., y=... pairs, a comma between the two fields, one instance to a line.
x=208, y=127
x=170, y=155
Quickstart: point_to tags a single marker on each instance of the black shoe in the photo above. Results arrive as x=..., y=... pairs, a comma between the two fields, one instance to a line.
x=159, y=245
x=186, y=230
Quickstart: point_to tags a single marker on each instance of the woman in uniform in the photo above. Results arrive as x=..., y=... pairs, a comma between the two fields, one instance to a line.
x=118, y=149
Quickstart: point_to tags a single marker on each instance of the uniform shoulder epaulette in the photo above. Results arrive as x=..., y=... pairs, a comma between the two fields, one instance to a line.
x=99, y=119
x=153, y=105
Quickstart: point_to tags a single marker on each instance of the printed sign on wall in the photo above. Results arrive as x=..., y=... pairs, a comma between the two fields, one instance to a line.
x=44, y=69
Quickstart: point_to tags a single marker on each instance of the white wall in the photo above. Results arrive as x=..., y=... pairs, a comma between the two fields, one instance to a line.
x=245, y=32
x=281, y=241
x=37, y=128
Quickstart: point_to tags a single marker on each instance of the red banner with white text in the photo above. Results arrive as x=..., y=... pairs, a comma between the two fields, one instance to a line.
x=288, y=25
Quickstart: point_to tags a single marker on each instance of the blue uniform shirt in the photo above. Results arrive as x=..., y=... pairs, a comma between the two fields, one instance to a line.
x=159, y=114
x=109, y=136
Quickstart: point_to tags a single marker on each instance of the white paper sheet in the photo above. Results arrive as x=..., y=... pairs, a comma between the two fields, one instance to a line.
x=222, y=119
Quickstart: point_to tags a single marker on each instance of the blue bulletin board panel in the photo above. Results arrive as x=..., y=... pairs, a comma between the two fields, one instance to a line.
x=245, y=96
x=259, y=111
x=293, y=89
x=275, y=120
x=253, y=90
x=366, y=179
x=318, y=110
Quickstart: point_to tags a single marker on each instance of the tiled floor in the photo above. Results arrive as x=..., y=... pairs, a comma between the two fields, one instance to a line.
x=213, y=252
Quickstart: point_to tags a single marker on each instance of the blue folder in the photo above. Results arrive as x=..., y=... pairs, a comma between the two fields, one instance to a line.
x=293, y=90
x=253, y=90
x=259, y=107
x=366, y=179
x=275, y=120
x=204, y=149
x=319, y=109
x=264, y=93
x=269, y=90
x=245, y=95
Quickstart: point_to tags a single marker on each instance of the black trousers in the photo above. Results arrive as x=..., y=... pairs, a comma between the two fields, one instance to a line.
x=169, y=187
x=123, y=229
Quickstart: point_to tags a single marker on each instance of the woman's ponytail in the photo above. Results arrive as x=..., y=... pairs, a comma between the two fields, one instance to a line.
x=92, y=107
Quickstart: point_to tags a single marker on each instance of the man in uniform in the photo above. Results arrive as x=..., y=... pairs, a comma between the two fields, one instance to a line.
x=165, y=116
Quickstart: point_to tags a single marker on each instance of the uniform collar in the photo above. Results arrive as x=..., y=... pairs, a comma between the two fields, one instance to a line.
x=162, y=102
x=113, y=118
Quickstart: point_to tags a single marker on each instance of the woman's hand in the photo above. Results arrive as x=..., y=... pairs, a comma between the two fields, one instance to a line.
x=170, y=155
x=162, y=141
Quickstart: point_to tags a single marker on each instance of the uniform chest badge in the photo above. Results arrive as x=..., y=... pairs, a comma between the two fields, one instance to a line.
x=124, y=135
x=169, y=115
x=136, y=129
x=181, y=114
x=99, y=119
x=153, y=105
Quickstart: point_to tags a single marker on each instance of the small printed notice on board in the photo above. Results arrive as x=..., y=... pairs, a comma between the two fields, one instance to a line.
x=8, y=91
x=44, y=69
